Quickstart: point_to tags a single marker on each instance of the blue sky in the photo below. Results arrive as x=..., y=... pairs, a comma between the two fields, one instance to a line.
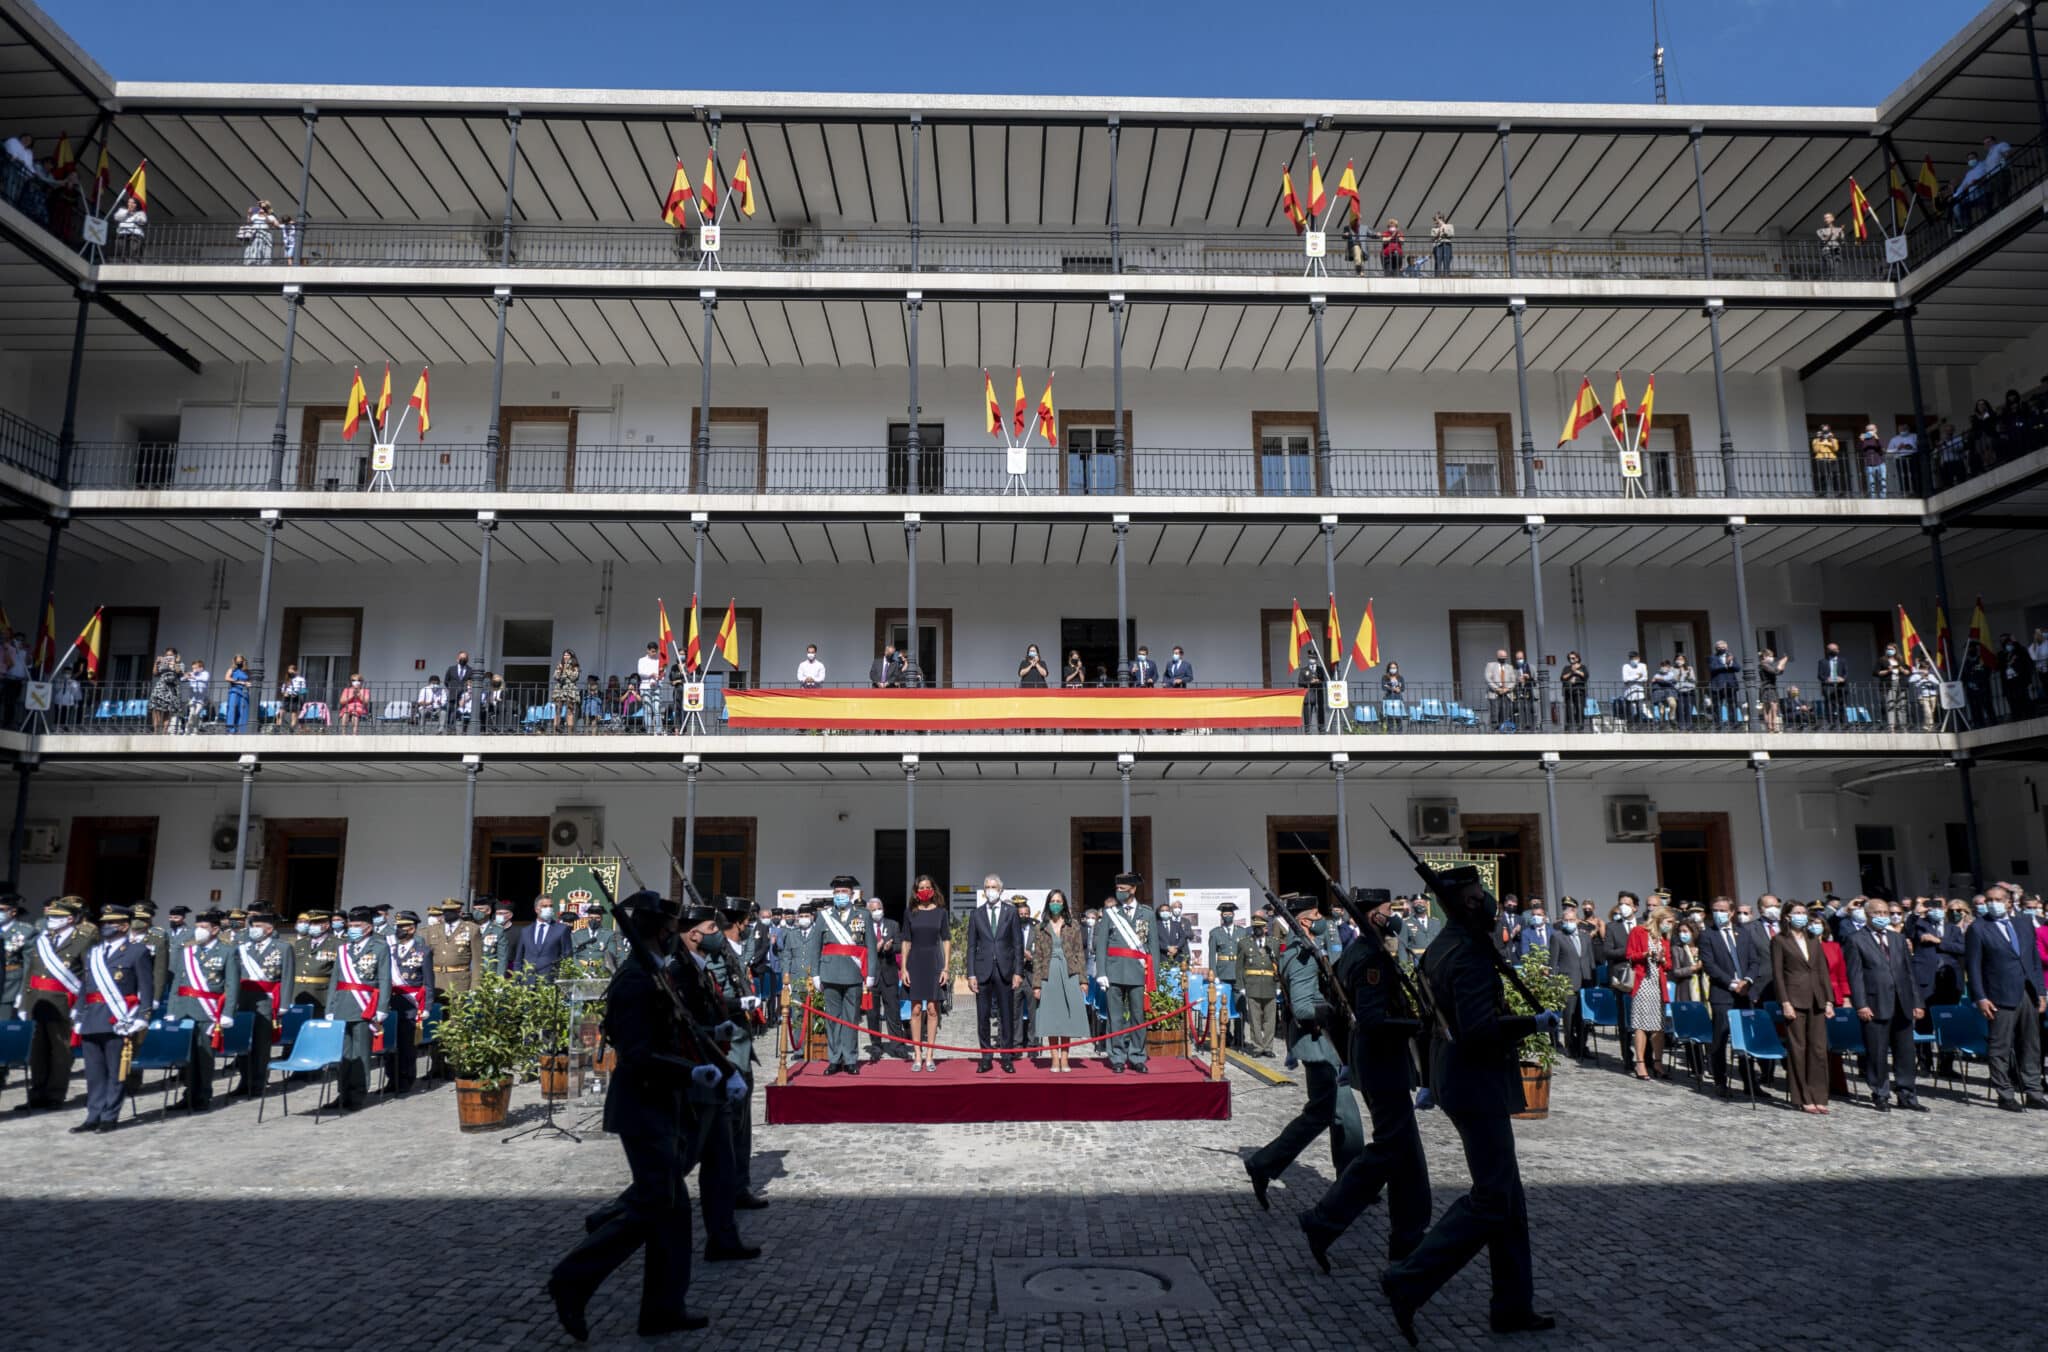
x=1720, y=51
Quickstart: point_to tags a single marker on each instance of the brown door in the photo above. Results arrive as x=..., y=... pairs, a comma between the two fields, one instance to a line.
x=1294, y=845
x=112, y=859
x=1694, y=862
x=504, y=860
x=723, y=865
x=1515, y=838
x=302, y=863
x=1096, y=851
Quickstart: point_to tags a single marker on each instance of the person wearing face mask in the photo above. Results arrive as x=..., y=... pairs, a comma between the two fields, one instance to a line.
x=739, y=1011
x=927, y=957
x=1127, y=956
x=844, y=961
x=1622, y=923
x=205, y=979
x=1031, y=672
x=1729, y=986
x=885, y=1011
x=143, y=929
x=267, y=979
x=1027, y=930
x=1328, y=1105
x=796, y=971
x=1936, y=935
x=1258, y=975
x=995, y=972
x=1572, y=957
x=16, y=937
x=1886, y=1000
x=412, y=994
x=1649, y=962
x=1222, y=949
x=52, y=977
x=540, y=946
x=358, y=994
x=496, y=934
x=1180, y=673
x=313, y=950
x=1059, y=966
x=116, y=1007
x=1420, y=928
x=2002, y=959
x=1805, y=998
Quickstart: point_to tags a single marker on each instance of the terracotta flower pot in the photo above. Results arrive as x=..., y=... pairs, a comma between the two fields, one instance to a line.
x=1535, y=1093
x=480, y=1106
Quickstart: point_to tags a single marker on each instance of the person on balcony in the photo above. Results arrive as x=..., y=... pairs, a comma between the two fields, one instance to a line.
x=1572, y=682
x=254, y=233
x=1724, y=683
x=235, y=708
x=166, y=701
x=886, y=671
x=810, y=673
x=1894, y=683
x=1076, y=674
x=1031, y=672
x=1826, y=449
x=354, y=704
x=1144, y=672
x=1903, y=453
x=430, y=706
x=197, y=680
x=564, y=688
x=1770, y=666
x=1393, y=248
x=1830, y=237
x=1870, y=454
x=1441, y=232
x=1310, y=680
x=1635, y=677
x=1180, y=673
x=1685, y=686
x=130, y=219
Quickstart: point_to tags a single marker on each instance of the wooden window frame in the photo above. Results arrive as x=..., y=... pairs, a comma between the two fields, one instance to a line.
x=750, y=860
x=1511, y=618
x=1721, y=879
x=1141, y=852
x=149, y=654
x=1276, y=827
x=944, y=614
x=1527, y=825
x=480, y=833
x=741, y=615
x=1318, y=625
x=310, y=418
x=1680, y=427
x=1276, y=420
x=537, y=413
x=83, y=829
x=1096, y=417
x=293, y=622
x=276, y=830
x=729, y=414
x=1503, y=425
x=1702, y=632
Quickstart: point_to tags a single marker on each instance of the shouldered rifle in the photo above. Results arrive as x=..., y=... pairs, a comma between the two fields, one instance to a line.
x=1339, y=1023
x=697, y=1044
x=1365, y=929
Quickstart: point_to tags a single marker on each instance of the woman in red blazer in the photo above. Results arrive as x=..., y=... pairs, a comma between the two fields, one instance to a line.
x=1649, y=960
x=1799, y=969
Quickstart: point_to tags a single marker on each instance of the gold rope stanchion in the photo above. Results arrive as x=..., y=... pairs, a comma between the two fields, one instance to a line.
x=1215, y=1030
x=782, y=1059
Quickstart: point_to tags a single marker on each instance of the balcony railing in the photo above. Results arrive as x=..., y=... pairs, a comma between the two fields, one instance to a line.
x=1271, y=253
x=978, y=470
x=28, y=447
x=405, y=708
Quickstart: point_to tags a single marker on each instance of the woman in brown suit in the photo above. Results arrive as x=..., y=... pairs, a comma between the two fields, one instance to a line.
x=1058, y=1013
x=1799, y=970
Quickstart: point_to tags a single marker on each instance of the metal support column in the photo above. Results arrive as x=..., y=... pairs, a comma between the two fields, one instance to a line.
x=272, y=522
x=1515, y=309
x=703, y=447
x=1507, y=194
x=2040, y=99
x=1924, y=461
x=249, y=768
x=503, y=295
x=913, y=444
x=67, y=431
x=312, y=118
x=1970, y=842
x=292, y=301
x=1125, y=763
x=700, y=528
x=1744, y=633
x=1332, y=720
x=1555, y=871
x=909, y=831
x=17, y=838
x=1534, y=526
x=511, y=179
x=912, y=658
x=1116, y=225
x=692, y=765
x=1699, y=189
x=1340, y=765
x=916, y=194
x=1948, y=663
x=478, y=655
x=1316, y=306
x=1714, y=308
x=1758, y=760
x=472, y=766
x=1121, y=527
x=1116, y=383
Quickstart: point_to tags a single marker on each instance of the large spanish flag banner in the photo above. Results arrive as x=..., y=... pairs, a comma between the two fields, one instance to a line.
x=995, y=710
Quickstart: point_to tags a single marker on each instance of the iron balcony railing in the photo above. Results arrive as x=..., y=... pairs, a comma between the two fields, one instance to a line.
x=1628, y=257
x=28, y=447
x=977, y=470
x=410, y=708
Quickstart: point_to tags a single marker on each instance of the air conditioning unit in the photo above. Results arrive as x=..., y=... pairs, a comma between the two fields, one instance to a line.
x=1434, y=821
x=221, y=844
x=39, y=840
x=1631, y=819
x=576, y=831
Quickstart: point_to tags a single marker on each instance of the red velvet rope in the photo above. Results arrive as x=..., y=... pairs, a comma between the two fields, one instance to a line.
x=996, y=1051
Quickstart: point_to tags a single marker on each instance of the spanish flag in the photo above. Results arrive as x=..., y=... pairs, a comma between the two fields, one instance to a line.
x=1584, y=413
x=690, y=642
x=1928, y=185
x=1900, y=197
x=103, y=175
x=1347, y=186
x=727, y=645
x=675, y=208
x=1617, y=416
x=138, y=183
x=1643, y=414
x=1017, y=412
x=1859, y=207
x=1942, y=655
x=1048, y=420
x=1365, y=649
x=43, y=656
x=65, y=160
x=1289, y=203
x=1333, y=631
x=1909, y=637
x=1297, y=639
x=1316, y=199
x=91, y=642
x=742, y=185
x=995, y=410
x=384, y=403
x=1980, y=633
x=664, y=635
x=419, y=401
x=707, y=187
x=358, y=400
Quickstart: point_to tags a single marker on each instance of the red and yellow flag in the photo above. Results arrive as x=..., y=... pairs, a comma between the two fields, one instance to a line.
x=419, y=401
x=1297, y=639
x=1943, y=653
x=138, y=184
x=1928, y=184
x=727, y=645
x=92, y=642
x=1617, y=416
x=1909, y=638
x=1333, y=631
x=1289, y=203
x=1347, y=186
x=1316, y=200
x=1900, y=197
x=1980, y=633
x=1859, y=207
x=707, y=187
x=690, y=653
x=664, y=635
x=1584, y=413
x=103, y=175
x=65, y=159
x=1048, y=419
x=675, y=208
x=1365, y=649
x=995, y=410
x=1017, y=408
x=43, y=656
x=1643, y=414
x=384, y=403
x=742, y=185
x=358, y=400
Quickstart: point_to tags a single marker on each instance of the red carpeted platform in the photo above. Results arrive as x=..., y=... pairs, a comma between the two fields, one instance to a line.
x=1176, y=1089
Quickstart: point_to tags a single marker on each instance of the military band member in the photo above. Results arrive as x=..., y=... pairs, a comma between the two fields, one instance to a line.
x=118, y=999
x=497, y=936
x=412, y=994
x=205, y=978
x=844, y=960
x=458, y=950
x=268, y=978
x=52, y=976
x=742, y=1017
x=358, y=994
x=1127, y=965
x=1329, y=1106
x=1223, y=941
x=1385, y=1021
x=313, y=960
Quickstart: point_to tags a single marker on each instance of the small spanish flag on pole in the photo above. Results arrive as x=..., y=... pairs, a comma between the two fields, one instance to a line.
x=102, y=176
x=1297, y=638
x=65, y=159
x=1643, y=414
x=690, y=653
x=1316, y=200
x=43, y=656
x=742, y=186
x=1289, y=203
x=707, y=187
x=995, y=410
x=358, y=400
x=727, y=644
x=1017, y=410
x=1859, y=207
x=1347, y=187
x=675, y=208
x=1944, y=658
x=419, y=401
x=1333, y=631
x=1617, y=415
x=91, y=642
x=1980, y=632
x=1584, y=413
x=1909, y=637
x=1048, y=419
x=664, y=634
x=1365, y=649
x=1928, y=186
x=138, y=184
x=384, y=403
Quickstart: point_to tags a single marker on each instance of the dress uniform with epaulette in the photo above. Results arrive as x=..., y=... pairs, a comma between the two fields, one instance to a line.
x=726, y=963
x=412, y=995
x=457, y=946
x=205, y=979
x=50, y=990
x=1384, y=1021
x=1329, y=1106
x=844, y=960
x=359, y=993
x=497, y=938
x=1127, y=953
x=1258, y=975
x=266, y=983
x=142, y=925
x=116, y=1007
x=796, y=970
x=16, y=935
x=313, y=960
x=383, y=925
x=1223, y=942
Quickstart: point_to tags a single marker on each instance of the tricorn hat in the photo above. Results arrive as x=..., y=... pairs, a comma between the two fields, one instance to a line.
x=1130, y=880
x=1369, y=897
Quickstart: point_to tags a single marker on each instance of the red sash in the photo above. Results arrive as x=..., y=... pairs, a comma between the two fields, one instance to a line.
x=419, y=1001
x=860, y=951
x=273, y=989
x=213, y=1000
x=1136, y=955
x=97, y=999
x=369, y=1008
x=56, y=987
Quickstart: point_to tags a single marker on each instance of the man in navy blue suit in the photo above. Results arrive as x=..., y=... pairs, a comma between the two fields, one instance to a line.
x=1144, y=671
x=2004, y=969
x=995, y=969
x=541, y=945
x=1180, y=673
x=1886, y=998
x=1730, y=986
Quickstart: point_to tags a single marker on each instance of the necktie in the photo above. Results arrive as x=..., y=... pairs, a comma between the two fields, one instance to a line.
x=1884, y=943
x=2005, y=928
x=540, y=933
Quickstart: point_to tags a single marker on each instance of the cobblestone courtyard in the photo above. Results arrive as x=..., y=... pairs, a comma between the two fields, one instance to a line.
x=1662, y=1218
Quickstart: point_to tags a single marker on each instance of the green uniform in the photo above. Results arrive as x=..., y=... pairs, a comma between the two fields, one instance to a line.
x=15, y=939
x=1258, y=975
x=313, y=968
x=269, y=967
x=1125, y=978
x=796, y=970
x=58, y=960
x=205, y=979
x=159, y=945
x=458, y=951
x=1223, y=942
x=358, y=992
x=497, y=946
x=728, y=972
x=842, y=976
x=1329, y=1106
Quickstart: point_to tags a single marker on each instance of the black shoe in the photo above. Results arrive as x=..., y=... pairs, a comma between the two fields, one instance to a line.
x=1259, y=1182
x=2010, y=1104
x=1138, y=1068
x=1527, y=1321
x=2037, y=1100
x=27, y=1107
x=984, y=1068
x=831, y=1067
x=1115, y=1069
x=1882, y=1105
x=1009, y=1065
x=686, y=1323
x=1911, y=1104
x=730, y=1253
x=569, y=1305
x=747, y=1201
x=851, y=1070
x=1320, y=1238
x=1404, y=1313
x=85, y=1128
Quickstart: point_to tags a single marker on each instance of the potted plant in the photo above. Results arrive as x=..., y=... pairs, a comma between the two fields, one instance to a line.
x=483, y=1035
x=808, y=993
x=1536, y=1054
x=1168, y=1037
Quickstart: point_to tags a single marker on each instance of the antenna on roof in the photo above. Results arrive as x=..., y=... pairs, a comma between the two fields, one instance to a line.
x=1657, y=53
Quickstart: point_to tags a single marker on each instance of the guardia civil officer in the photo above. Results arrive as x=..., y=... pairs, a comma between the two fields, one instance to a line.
x=313, y=960
x=51, y=979
x=726, y=964
x=1223, y=941
x=1127, y=953
x=118, y=998
x=206, y=975
x=358, y=994
x=843, y=958
x=412, y=994
x=1384, y=1021
x=1473, y=1068
x=267, y=979
x=1329, y=1106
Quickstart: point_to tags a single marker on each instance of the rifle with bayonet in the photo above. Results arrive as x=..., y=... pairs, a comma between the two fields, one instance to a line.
x=1407, y=987
x=1429, y=880
x=698, y=1044
x=1340, y=1020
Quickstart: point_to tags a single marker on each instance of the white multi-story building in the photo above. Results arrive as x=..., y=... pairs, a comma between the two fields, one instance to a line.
x=796, y=422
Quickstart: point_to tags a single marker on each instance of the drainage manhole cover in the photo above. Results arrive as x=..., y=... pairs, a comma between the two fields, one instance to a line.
x=1098, y=1285
x=1122, y=1284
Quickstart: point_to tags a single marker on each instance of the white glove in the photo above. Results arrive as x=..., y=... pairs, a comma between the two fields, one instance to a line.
x=705, y=1077
x=750, y=1002
x=735, y=1089
x=228, y=1022
x=1103, y=982
x=868, y=984
x=727, y=1031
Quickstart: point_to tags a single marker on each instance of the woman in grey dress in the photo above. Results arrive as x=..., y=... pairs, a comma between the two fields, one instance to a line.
x=1059, y=963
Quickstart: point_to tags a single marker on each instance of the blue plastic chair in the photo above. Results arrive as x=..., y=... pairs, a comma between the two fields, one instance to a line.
x=1962, y=1032
x=1394, y=710
x=1429, y=711
x=1600, y=1008
x=1366, y=714
x=1754, y=1037
x=317, y=1048
x=15, y=1037
x=1845, y=1038
x=289, y=1023
x=166, y=1046
x=1692, y=1025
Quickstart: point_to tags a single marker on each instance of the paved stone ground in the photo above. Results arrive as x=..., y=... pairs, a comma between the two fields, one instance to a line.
x=1662, y=1218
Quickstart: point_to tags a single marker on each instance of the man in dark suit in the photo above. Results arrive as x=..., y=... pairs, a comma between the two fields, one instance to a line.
x=1754, y=943
x=454, y=678
x=1886, y=999
x=1144, y=671
x=1730, y=985
x=1937, y=942
x=1535, y=932
x=885, y=1010
x=541, y=945
x=886, y=670
x=1571, y=957
x=995, y=969
x=1833, y=674
x=2004, y=969
x=1180, y=673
